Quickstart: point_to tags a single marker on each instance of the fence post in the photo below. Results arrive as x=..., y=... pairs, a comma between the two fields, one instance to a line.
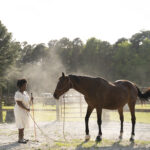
x=57, y=111
x=1, y=116
x=80, y=106
x=61, y=109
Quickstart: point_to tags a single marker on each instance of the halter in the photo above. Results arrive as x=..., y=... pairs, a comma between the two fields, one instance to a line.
x=70, y=85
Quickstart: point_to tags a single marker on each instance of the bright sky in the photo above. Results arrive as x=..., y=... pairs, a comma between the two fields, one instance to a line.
x=39, y=21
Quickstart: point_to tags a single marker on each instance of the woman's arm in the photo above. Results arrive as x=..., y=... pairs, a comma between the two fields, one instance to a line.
x=22, y=106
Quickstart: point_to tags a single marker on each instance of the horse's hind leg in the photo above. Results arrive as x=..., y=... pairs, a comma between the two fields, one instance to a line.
x=133, y=119
x=89, y=111
x=120, y=111
x=99, y=122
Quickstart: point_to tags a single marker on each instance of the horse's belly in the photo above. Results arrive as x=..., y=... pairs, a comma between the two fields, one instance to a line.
x=111, y=107
x=114, y=105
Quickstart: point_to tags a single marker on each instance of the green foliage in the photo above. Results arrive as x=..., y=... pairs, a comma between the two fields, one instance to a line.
x=126, y=59
x=8, y=53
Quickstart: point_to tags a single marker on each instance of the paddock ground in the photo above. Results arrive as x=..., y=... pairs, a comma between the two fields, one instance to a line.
x=74, y=133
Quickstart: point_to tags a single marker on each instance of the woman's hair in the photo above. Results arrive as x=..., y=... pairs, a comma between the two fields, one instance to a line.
x=21, y=82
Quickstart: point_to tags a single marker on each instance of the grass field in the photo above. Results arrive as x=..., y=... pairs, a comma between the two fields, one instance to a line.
x=74, y=114
x=92, y=145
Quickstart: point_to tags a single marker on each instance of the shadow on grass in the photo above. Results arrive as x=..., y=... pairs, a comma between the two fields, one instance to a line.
x=80, y=145
x=9, y=146
x=113, y=146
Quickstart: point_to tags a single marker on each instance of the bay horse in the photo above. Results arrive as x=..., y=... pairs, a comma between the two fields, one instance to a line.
x=100, y=93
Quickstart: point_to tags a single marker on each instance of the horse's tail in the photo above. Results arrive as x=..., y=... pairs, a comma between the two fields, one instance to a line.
x=143, y=96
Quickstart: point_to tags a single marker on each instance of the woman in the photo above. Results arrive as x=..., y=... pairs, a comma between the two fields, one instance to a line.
x=22, y=109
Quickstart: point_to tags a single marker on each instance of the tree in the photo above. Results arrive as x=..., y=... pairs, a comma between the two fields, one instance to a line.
x=63, y=50
x=8, y=52
x=119, y=41
x=138, y=38
x=96, y=57
x=75, y=55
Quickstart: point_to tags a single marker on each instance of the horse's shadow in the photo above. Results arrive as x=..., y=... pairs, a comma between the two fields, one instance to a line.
x=9, y=146
x=114, y=146
x=80, y=146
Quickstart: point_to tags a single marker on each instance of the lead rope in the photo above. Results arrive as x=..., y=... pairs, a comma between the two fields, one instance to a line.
x=64, y=120
x=33, y=118
x=47, y=137
x=40, y=128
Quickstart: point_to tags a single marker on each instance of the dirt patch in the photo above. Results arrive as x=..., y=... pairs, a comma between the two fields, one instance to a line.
x=74, y=133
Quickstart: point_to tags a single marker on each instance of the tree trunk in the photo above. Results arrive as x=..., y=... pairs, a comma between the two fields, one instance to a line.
x=1, y=116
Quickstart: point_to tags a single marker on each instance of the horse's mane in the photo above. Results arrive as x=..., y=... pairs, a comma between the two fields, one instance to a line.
x=78, y=78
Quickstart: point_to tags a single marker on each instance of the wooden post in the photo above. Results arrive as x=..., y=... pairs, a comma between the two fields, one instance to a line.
x=57, y=111
x=1, y=115
x=61, y=108
x=80, y=106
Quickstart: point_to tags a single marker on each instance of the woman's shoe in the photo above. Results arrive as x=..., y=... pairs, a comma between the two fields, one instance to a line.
x=22, y=141
x=26, y=140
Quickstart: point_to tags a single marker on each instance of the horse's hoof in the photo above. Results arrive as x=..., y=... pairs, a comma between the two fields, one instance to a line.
x=87, y=137
x=98, y=138
x=120, y=137
x=131, y=139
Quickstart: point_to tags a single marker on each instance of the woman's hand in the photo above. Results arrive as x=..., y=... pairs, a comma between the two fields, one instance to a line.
x=28, y=109
x=32, y=98
x=22, y=106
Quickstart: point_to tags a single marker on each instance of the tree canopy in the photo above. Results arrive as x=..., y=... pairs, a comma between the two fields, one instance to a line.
x=125, y=59
x=9, y=53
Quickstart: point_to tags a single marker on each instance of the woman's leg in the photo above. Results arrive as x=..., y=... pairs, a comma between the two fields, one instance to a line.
x=21, y=136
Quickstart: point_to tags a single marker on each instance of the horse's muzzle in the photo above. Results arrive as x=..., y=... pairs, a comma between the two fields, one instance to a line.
x=55, y=96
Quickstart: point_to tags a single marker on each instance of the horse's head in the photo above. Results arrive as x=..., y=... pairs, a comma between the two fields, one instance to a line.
x=63, y=85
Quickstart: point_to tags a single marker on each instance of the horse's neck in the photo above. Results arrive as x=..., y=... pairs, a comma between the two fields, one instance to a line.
x=82, y=86
x=86, y=85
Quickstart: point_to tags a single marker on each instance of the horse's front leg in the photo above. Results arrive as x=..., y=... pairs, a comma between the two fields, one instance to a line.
x=99, y=122
x=89, y=111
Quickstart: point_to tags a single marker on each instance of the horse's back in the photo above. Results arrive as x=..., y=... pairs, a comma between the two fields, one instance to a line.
x=130, y=86
x=120, y=93
x=108, y=95
x=126, y=83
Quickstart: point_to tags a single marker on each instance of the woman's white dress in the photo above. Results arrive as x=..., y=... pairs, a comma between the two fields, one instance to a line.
x=22, y=116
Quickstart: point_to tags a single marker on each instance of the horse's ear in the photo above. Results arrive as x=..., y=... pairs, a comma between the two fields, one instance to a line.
x=63, y=75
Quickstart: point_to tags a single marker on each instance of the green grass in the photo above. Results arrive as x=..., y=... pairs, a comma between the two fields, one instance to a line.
x=41, y=106
x=44, y=116
x=39, y=115
x=142, y=106
x=76, y=142
x=7, y=107
x=105, y=143
x=36, y=106
x=141, y=117
x=4, y=116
